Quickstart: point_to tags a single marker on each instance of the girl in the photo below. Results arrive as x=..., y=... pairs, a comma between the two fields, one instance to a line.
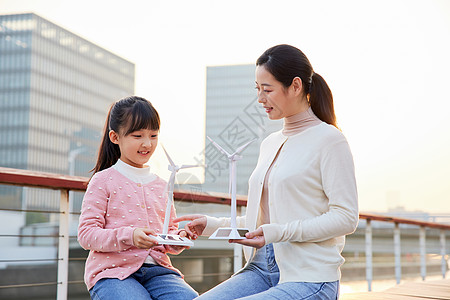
x=123, y=207
x=302, y=197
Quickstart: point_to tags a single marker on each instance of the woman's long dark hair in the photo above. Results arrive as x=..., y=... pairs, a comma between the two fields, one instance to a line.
x=124, y=117
x=286, y=62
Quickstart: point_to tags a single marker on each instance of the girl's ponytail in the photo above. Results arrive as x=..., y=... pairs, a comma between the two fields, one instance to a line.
x=321, y=100
x=108, y=153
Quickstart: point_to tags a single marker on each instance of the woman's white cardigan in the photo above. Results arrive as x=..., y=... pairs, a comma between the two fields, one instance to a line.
x=313, y=202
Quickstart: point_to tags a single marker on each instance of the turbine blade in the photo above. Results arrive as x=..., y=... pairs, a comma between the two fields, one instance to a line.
x=172, y=181
x=168, y=157
x=219, y=147
x=243, y=147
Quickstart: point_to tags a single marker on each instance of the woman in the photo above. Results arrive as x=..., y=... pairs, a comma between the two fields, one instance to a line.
x=302, y=197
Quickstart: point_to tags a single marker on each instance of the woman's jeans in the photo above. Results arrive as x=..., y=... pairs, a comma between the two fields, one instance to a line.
x=149, y=282
x=259, y=281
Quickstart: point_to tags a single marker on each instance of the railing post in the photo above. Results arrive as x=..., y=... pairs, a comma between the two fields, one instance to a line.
x=369, y=255
x=443, y=260
x=397, y=253
x=63, y=246
x=237, y=250
x=423, y=252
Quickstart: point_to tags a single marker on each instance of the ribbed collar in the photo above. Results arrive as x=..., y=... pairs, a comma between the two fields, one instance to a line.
x=300, y=122
x=138, y=175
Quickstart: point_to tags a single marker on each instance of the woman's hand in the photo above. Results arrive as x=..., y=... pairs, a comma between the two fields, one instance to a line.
x=253, y=239
x=141, y=238
x=194, y=228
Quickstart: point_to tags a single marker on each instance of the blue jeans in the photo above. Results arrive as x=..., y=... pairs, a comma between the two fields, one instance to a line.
x=259, y=281
x=149, y=282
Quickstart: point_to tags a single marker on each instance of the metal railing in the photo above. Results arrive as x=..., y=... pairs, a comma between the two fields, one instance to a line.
x=397, y=245
x=65, y=184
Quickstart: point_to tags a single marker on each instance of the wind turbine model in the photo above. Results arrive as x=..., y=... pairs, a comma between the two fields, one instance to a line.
x=165, y=238
x=225, y=233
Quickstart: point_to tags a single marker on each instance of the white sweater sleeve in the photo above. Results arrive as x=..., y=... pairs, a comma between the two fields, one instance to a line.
x=339, y=185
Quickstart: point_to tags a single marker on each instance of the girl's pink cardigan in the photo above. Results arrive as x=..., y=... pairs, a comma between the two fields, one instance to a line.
x=113, y=206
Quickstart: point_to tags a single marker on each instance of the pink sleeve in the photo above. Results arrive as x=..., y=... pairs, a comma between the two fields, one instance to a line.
x=92, y=234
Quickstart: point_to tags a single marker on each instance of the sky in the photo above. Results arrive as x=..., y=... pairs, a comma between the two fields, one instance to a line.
x=386, y=62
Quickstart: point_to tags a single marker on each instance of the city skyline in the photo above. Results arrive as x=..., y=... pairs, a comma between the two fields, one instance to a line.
x=385, y=61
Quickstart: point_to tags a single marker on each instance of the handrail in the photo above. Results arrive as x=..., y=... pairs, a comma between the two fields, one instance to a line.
x=381, y=218
x=42, y=180
x=66, y=183
x=77, y=183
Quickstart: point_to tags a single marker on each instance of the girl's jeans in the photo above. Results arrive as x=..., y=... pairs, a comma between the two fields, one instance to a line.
x=259, y=281
x=149, y=282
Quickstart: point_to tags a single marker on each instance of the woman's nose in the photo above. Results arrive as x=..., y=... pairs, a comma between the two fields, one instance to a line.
x=261, y=98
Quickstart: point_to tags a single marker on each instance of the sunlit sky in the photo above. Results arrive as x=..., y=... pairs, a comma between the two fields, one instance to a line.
x=387, y=63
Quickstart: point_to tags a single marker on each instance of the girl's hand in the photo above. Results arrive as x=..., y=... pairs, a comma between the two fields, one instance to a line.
x=182, y=233
x=253, y=239
x=194, y=228
x=141, y=238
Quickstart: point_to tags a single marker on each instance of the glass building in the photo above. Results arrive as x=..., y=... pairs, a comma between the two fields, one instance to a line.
x=55, y=90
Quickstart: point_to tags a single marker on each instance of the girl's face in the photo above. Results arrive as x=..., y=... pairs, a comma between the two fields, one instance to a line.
x=278, y=101
x=137, y=147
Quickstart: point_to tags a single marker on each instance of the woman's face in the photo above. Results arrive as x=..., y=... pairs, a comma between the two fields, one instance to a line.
x=278, y=101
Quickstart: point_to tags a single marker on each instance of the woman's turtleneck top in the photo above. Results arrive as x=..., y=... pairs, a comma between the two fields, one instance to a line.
x=292, y=125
